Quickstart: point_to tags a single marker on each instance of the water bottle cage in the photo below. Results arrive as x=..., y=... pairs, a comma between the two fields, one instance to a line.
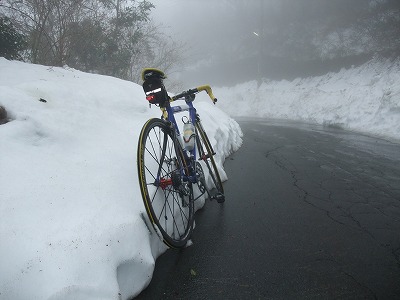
x=187, y=140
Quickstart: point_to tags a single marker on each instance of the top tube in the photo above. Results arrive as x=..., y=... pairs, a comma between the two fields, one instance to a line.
x=179, y=108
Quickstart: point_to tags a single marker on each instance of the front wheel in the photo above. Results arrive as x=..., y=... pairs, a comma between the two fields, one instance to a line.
x=168, y=199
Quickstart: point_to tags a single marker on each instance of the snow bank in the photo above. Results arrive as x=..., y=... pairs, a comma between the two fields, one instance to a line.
x=71, y=221
x=365, y=99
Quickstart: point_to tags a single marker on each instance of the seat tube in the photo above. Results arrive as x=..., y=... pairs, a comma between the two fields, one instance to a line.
x=192, y=115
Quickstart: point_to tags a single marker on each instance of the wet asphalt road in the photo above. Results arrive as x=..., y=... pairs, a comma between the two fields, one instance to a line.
x=310, y=213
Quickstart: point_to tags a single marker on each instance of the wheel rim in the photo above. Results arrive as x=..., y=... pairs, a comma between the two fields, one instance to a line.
x=167, y=199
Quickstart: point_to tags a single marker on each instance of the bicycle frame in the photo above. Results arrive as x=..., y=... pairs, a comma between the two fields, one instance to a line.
x=170, y=177
x=169, y=115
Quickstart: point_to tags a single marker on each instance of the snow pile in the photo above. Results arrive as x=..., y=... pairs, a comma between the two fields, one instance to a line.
x=365, y=99
x=70, y=206
x=71, y=212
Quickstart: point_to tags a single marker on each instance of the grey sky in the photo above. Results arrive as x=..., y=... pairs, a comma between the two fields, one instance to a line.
x=212, y=30
x=206, y=25
x=292, y=35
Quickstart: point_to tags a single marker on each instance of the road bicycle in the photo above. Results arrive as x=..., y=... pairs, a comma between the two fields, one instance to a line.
x=172, y=166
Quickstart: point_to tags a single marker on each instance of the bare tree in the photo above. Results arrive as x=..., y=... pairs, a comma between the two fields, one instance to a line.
x=112, y=37
x=47, y=24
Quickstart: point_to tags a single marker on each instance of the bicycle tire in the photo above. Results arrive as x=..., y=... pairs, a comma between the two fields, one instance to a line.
x=167, y=199
x=206, y=154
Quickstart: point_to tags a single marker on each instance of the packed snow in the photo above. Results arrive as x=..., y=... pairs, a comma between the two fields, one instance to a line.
x=72, y=217
x=364, y=99
x=72, y=220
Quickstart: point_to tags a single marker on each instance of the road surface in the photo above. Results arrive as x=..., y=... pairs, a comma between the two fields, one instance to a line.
x=310, y=212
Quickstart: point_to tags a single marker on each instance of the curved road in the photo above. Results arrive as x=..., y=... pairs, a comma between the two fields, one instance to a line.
x=310, y=212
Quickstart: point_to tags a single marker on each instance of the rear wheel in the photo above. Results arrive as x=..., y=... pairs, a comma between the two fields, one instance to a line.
x=206, y=154
x=167, y=197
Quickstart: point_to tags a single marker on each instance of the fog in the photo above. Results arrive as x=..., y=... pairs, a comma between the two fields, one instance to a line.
x=211, y=32
x=232, y=41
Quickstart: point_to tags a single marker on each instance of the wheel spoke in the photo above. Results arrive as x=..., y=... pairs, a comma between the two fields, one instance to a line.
x=167, y=202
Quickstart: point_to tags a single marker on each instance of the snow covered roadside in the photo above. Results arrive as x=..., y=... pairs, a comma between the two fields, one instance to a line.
x=364, y=99
x=71, y=222
x=70, y=204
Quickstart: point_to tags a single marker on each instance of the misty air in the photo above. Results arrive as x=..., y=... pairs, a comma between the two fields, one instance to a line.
x=187, y=149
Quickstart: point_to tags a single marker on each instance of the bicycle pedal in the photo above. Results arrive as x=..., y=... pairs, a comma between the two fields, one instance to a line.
x=219, y=197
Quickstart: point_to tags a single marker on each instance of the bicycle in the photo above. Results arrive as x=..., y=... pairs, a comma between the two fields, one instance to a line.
x=170, y=165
